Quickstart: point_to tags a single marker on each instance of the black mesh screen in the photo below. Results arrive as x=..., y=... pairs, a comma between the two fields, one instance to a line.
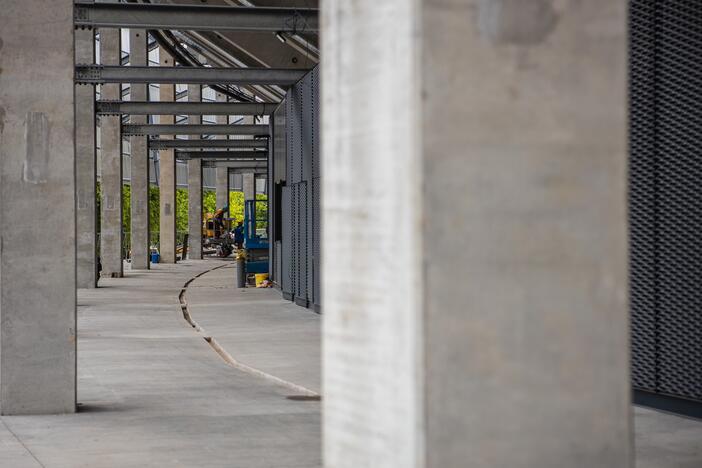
x=665, y=196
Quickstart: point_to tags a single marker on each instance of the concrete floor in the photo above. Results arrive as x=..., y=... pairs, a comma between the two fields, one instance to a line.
x=259, y=328
x=154, y=393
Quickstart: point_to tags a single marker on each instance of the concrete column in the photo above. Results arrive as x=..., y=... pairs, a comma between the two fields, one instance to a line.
x=140, y=161
x=167, y=177
x=111, y=165
x=222, y=186
x=497, y=134
x=222, y=173
x=37, y=208
x=195, y=188
x=86, y=207
x=249, y=186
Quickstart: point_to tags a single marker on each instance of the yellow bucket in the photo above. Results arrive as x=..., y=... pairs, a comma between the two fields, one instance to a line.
x=260, y=278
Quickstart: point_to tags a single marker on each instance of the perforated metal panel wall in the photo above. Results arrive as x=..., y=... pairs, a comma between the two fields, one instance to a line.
x=301, y=192
x=316, y=194
x=286, y=280
x=302, y=260
x=665, y=196
x=277, y=168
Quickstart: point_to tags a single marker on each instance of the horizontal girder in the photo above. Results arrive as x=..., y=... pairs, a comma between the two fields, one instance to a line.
x=240, y=165
x=183, y=108
x=214, y=143
x=98, y=74
x=194, y=129
x=195, y=17
x=241, y=155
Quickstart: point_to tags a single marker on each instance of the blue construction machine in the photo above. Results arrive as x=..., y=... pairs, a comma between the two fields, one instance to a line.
x=256, y=236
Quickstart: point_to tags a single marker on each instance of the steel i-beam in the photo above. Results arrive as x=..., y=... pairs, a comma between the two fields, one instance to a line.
x=187, y=129
x=184, y=108
x=195, y=17
x=194, y=144
x=244, y=165
x=99, y=74
x=255, y=155
x=238, y=167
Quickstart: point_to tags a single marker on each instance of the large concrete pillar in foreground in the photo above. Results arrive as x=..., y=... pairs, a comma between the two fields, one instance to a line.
x=111, y=165
x=195, y=187
x=249, y=185
x=140, y=161
x=37, y=208
x=167, y=176
x=497, y=134
x=86, y=209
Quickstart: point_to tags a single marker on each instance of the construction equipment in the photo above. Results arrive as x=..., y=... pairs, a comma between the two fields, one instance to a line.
x=256, y=236
x=216, y=232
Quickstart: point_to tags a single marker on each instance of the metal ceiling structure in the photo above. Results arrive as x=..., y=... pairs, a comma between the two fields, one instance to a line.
x=195, y=17
x=250, y=52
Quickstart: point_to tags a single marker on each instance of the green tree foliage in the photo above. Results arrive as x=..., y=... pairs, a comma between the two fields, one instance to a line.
x=209, y=201
x=262, y=210
x=182, y=210
x=154, y=212
x=236, y=207
x=126, y=208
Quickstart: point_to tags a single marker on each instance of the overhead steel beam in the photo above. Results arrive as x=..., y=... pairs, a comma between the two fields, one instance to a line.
x=244, y=165
x=255, y=155
x=185, y=129
x=194, y=144
x=195, y=17
x=244, y=171
x=184, y=108
x=99, y=74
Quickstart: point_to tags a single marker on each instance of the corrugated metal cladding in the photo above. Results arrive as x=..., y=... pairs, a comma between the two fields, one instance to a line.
x=665, y=196
x=295, y=178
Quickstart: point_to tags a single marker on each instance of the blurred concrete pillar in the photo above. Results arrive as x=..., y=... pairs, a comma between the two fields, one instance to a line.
x=138, y=55
x=249, y=185
x=167, y=176
x=86, y=166
x=111, y=165
x=497, y=134
x=195, y=187
x=37, y=208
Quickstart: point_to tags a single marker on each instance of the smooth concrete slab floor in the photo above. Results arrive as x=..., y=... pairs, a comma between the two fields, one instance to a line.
x=259, y=328
x=153, y=393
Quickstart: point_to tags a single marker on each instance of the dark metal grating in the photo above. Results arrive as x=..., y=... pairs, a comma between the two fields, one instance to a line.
x=665, y=196
x=316, y=199
x=286, y=280
x=301, y=203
